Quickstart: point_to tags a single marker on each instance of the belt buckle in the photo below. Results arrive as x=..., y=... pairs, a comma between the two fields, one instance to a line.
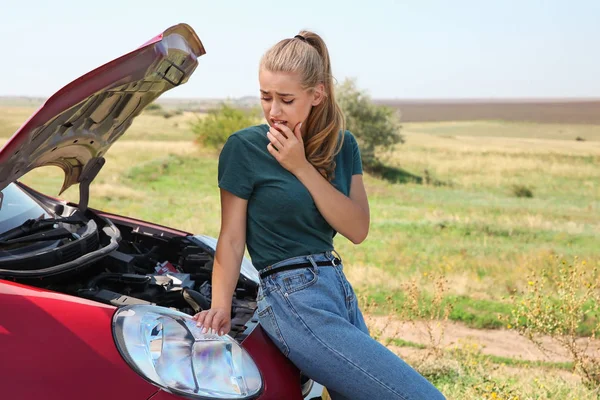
x=335, y=261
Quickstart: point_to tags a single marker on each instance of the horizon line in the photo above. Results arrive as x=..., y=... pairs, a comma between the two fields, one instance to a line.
x=375, y=99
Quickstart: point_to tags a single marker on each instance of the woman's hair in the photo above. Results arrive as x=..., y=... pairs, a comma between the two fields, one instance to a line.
x=307, y=55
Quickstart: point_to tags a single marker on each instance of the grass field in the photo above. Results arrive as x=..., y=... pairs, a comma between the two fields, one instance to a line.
x=467, y=218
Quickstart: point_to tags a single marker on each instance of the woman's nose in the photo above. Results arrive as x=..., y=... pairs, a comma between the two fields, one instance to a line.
x=275, y=110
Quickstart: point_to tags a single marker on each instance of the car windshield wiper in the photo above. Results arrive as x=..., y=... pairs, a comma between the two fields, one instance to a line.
x=36, y=225
x=54, y=234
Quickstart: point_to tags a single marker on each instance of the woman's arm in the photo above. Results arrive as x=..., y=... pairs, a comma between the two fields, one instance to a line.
x=350, y=216
x=227, y=263
x=347, y=215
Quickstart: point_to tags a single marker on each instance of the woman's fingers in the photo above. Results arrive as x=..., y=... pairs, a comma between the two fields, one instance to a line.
x=217, y=322
x=275, y=140
x=200, y=317
x=279, y=129
x=272, y=150
x=225, y=328
x=208, y=321
x=214, y=320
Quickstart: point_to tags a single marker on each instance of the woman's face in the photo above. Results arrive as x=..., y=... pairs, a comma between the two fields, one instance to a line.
x=283, y=99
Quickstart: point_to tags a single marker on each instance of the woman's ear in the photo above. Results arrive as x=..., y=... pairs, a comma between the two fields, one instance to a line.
x=318, y=94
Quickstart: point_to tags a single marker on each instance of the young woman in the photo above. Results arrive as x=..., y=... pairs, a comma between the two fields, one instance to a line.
x=287, y=187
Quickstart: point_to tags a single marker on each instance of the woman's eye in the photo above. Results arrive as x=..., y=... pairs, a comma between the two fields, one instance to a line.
x=266, y=98
x=288, y=101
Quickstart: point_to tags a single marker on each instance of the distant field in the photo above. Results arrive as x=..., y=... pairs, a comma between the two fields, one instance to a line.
x=565, y=133
x=551, y=112
x=21, y=101
x=563, y=112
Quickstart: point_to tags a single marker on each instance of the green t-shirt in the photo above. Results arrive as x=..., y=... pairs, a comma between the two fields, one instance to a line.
x=282, y=218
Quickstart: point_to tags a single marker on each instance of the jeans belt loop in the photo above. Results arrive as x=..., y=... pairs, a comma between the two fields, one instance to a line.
x=313, y=263
x=337, y=260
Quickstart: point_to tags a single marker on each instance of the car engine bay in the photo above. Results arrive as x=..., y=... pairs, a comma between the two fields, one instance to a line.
x=143, y=264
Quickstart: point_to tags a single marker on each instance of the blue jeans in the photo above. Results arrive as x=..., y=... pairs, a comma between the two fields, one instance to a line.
x=312, y=315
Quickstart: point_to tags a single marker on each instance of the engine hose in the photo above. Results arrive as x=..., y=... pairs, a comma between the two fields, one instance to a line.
x=195, y=299
x=131, y=279
x=144, y=256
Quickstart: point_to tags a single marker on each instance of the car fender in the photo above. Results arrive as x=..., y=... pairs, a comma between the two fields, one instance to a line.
x=56, y=346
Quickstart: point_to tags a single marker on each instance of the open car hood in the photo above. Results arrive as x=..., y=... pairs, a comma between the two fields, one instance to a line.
x=75, y=127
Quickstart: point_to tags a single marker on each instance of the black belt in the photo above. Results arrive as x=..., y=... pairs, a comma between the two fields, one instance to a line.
x=331, y=263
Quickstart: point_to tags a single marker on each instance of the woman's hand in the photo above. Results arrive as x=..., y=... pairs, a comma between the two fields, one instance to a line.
x=217, y=319
x=287, y=147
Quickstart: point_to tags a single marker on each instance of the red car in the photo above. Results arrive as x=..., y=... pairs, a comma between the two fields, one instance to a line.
x=99, y=306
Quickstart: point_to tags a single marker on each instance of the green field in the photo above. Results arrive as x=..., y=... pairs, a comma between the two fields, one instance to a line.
x=461, y=216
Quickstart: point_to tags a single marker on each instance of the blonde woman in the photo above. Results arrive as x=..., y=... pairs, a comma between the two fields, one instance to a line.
x=287, y=187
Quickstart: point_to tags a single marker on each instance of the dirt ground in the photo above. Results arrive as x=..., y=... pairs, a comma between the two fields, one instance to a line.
x=503, y=343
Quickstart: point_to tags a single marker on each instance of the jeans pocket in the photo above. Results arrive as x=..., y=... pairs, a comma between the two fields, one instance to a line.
x=297, y=280
x=271, y=327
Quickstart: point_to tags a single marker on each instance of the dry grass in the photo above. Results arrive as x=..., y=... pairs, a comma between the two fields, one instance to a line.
x=469, y=161
x=121, y=157
x=364, y=276
x=156, y=127
x=499, y=141
x=504, y=129
x=11, y=118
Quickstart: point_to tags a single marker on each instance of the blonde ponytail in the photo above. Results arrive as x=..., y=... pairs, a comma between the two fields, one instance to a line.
x=307, y=55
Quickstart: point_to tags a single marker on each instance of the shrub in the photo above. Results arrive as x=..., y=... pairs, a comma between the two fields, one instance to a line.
x=556, y=304
x=521, y=191
x=374, y=126
x=432, y=310
x=213, y=130
x=153, y=107
x=169, y=114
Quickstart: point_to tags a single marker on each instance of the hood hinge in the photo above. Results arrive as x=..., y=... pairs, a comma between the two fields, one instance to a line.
x=87, y=176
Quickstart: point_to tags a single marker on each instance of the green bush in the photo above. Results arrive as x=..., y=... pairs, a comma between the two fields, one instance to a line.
x=169, y=114
x=153, y=107
x=522, y=191
x=213, y=130
x=374, y=126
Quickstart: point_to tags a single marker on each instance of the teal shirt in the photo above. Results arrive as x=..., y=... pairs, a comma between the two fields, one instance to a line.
x=282, y=218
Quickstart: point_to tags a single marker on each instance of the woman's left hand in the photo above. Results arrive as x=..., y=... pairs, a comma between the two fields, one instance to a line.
x=287, y=147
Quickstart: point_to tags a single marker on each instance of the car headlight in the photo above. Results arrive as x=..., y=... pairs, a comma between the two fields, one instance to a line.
x=167, y=348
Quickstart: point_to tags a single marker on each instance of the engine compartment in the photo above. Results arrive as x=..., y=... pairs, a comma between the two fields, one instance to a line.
x=149, y=266
x=169, y=271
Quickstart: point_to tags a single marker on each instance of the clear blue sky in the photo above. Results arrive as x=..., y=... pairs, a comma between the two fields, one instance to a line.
x=395, y=49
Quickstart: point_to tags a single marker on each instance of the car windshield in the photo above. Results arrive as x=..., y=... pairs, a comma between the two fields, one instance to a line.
x=17, y=207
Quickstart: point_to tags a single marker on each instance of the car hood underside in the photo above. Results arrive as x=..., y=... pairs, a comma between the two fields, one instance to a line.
x=76, y=126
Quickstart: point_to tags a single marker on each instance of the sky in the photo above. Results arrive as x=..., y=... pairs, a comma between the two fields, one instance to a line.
x=411, y=49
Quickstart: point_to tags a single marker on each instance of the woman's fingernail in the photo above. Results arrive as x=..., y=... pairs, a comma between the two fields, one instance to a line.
x=221, y=333
x=204, y=330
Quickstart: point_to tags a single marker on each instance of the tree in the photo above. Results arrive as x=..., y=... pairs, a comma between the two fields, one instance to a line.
x=214, y=129
x=374, y=126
